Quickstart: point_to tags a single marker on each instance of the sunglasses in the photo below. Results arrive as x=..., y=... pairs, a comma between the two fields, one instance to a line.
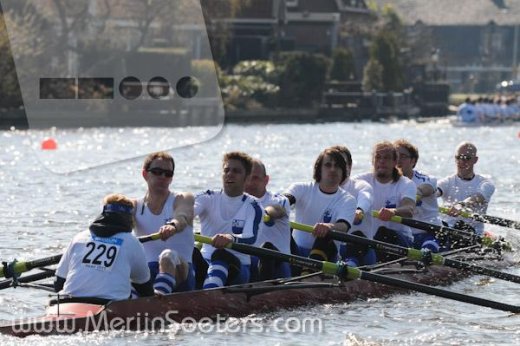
x=159, y=171
x=463, y=157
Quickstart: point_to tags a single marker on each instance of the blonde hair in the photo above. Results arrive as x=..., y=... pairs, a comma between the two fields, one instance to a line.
x=118, y=198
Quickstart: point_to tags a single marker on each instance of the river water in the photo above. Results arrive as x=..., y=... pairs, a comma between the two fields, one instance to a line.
x=41, y=211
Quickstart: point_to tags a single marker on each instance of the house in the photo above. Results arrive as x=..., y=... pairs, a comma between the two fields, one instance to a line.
x=474, y=42
x=263, y=27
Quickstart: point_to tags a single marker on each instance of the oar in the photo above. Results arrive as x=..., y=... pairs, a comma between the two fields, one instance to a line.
x=349, y=273
x=494, y=220
x=26, y=279
x=438, y=230
x=14, y=268
x=413, y=254
x=444, y=230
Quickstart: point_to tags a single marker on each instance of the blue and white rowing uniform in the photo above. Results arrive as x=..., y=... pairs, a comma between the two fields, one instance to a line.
x=390, y=195
x=454, y=189
x=182, y=242
x=426, y=210
x=364, y=195
x=220, y=214
x=277, y=232
x=102, y=267
x=313, y=206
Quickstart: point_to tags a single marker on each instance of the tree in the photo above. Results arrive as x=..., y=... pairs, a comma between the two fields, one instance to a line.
x=385, y=50
x=216, y=14
x=25, y=23
x=372, y=76
x=343, y=68
x=302, y=78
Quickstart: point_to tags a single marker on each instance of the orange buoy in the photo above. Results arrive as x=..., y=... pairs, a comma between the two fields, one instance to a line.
x=49, y=144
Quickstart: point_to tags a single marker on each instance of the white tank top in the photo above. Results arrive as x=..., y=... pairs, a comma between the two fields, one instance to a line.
x=147, y=223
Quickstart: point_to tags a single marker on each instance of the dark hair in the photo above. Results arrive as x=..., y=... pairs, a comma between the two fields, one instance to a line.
x=337, y=156
x=163, y=155
x=344, y=150
x=386, y=145
x=245, y=159
x=412, y=149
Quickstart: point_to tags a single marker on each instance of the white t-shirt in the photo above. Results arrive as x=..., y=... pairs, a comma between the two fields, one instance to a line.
x=103, y=267
x=314, y=206
x=389, y=195
x=147, y=223
x=454, y=189
x=220, y=214
x=364, y=194
x=427, y=208
x=278, y=232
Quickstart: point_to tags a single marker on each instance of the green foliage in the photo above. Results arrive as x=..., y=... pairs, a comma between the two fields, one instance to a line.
x=204, y=71
x=250, y=86
x=391, y=20
x=372, y=76
x=343, y=68
x=385, y=50
x=263, y=69
x=24, y=22
x=302, y=78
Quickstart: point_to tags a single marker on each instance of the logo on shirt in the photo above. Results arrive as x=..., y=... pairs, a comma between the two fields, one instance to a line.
x=327, y=216
x=237, y=226
x=390, y=204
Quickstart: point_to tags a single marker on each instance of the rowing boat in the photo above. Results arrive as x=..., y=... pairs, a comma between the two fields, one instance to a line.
x=155, y=313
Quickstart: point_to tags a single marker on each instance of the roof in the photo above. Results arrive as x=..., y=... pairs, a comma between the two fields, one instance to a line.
x=456, y=12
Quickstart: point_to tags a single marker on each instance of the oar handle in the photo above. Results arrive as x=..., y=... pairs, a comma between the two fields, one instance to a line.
x=412, y=254
x=14, y=268
x=463, y=213
x=150, y=237
x=394, y=218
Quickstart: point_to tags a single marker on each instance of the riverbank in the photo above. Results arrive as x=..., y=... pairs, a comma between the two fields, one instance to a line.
x=17, y=118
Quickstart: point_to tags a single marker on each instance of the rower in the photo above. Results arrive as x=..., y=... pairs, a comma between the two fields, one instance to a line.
x=171, y=214
x=394, y=195
x=364, y=195
x=426, y=207
x=324, y=204
x=229, y=215
x=274, y=234
x=104, y=260
x=465, y=190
